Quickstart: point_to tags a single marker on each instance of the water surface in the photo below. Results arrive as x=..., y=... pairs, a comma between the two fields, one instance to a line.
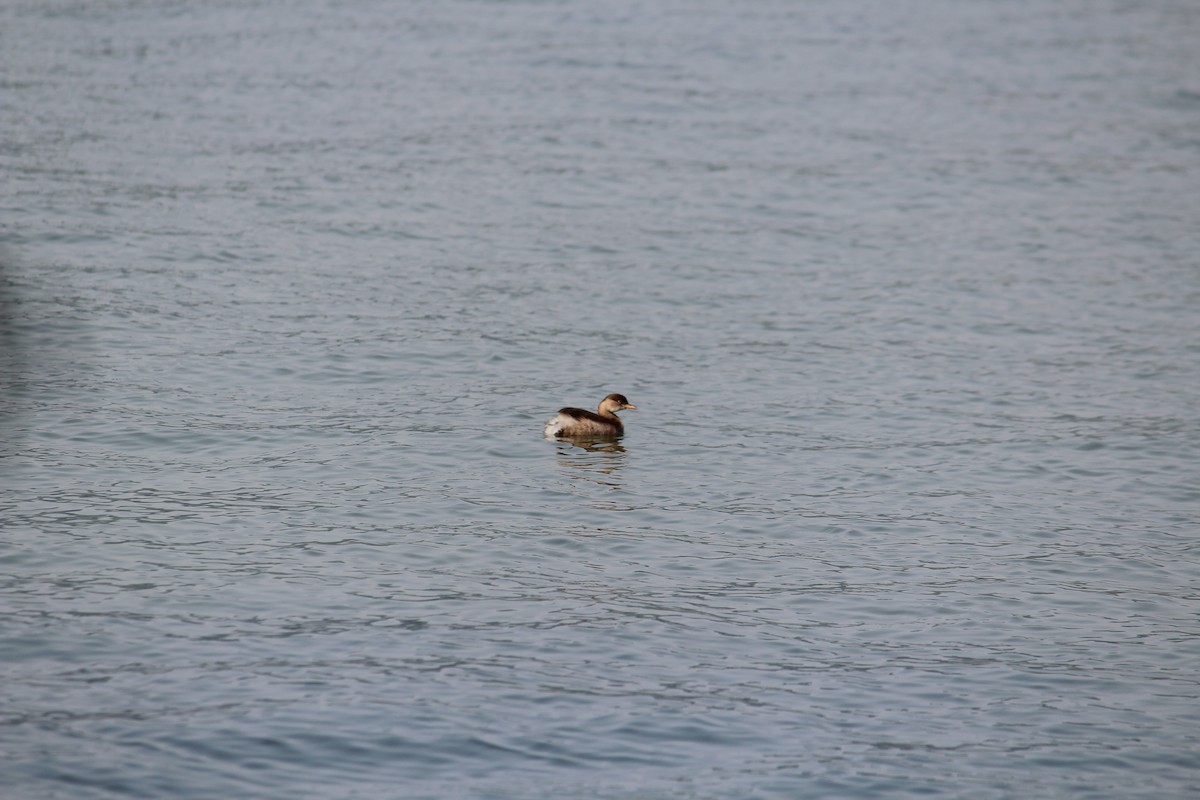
x=906, y=295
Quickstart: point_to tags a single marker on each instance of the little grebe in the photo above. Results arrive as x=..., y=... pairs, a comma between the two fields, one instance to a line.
x=572, y=423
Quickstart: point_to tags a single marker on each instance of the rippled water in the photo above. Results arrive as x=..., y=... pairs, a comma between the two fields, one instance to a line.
x=906, y=294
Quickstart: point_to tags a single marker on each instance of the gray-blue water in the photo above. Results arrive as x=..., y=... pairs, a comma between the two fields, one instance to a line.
x=907, y=294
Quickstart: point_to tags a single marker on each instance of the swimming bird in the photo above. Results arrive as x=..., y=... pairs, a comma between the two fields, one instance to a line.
x=578, y=423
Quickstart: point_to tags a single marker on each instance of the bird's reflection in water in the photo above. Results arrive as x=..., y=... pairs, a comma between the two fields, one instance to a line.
x=599, y=461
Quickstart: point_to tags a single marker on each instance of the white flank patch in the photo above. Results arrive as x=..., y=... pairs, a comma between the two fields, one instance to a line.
x=555, y=424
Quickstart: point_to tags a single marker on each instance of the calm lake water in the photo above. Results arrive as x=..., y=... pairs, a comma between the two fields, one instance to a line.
x=907, y=294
